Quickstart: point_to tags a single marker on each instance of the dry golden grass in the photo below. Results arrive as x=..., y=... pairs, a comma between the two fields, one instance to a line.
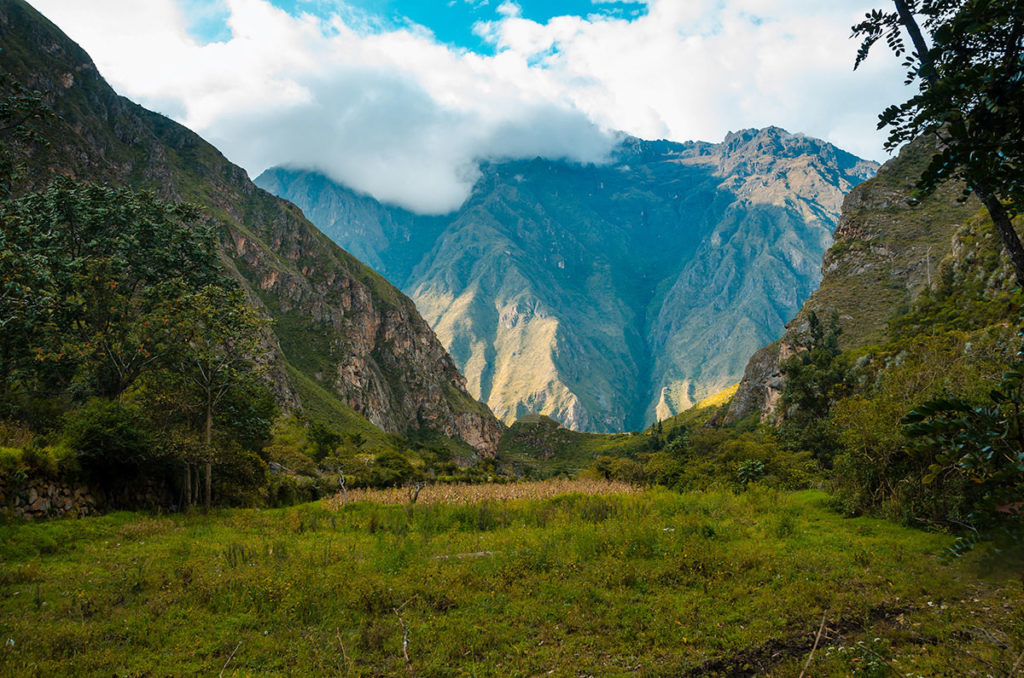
x=474, y=494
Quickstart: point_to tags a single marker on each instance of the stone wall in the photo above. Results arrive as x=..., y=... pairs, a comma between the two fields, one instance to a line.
x=39, y=498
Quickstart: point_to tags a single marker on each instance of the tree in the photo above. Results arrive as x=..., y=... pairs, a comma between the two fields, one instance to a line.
x=112, y=262
x=21, y=110
x=970, y=98
x=815, y=379
x=24, y=296
x=981, y=446
x=324, y=439
x=221, y=351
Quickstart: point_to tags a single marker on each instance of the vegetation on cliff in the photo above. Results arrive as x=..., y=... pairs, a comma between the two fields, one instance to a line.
x=343, y=338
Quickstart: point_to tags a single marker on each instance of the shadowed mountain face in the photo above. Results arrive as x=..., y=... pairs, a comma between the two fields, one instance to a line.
x=343, y=339
x=887, y=248
x=607, y=296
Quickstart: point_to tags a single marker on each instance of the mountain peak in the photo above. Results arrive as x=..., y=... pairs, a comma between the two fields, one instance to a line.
x=604, y=296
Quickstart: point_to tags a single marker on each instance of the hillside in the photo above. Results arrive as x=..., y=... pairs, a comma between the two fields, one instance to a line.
x=607, y=296
x=888, y=249
x=347, y=346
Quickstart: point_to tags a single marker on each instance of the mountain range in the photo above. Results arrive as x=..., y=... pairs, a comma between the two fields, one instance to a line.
x=606, y=296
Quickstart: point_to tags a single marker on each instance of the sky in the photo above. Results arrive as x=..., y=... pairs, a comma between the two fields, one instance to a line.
x=402, y=99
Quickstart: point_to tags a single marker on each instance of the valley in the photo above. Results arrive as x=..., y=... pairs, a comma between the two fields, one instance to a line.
x=607, y=296
x=749, y=408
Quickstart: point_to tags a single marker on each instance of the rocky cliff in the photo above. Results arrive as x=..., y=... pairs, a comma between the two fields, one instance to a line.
x=887, y=250
x=341, y=333
x=607, y=296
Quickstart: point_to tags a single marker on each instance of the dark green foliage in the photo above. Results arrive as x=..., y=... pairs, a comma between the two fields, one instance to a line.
x=815, y=379
x=390, y=469
x=114, y=293
x=323, y=438
x=246, y=414
x=22, y=111
x=979, y=448
x=239, y=476
x=109, y=266
x=114, y=444
x=971, y=97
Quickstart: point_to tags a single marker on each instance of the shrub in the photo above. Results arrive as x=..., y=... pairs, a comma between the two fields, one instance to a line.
x=750, y=471
x=112, y=444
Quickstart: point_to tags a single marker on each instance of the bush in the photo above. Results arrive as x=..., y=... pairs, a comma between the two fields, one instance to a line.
x=238, y=476
x=112, y=444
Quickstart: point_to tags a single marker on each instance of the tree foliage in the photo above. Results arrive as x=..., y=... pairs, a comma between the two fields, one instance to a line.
x=815, y=379
x=970, y=97
x=104, y=269
x=982, y=446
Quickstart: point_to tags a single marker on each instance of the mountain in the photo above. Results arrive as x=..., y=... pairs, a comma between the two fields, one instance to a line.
x=887, y=251
x=607, y=296
x=347, y=344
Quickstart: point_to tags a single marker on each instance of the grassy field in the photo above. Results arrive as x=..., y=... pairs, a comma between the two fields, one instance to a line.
x=650, y=583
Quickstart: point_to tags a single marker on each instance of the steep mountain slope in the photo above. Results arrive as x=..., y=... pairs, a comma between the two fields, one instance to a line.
x=344, y=339
x=887, y=250
x=605, y=296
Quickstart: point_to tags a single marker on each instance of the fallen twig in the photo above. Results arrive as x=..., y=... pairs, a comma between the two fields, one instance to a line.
x=344, y=655
x=405, y=633
x=232, y=656
x=817, y=639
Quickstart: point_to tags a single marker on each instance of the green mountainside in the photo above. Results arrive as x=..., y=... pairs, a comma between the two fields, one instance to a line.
x=346, y=345
x=607, y=296
x=889, y=248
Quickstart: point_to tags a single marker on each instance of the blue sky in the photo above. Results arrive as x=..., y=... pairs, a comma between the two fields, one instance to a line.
x=403, y=99
x=451, y=21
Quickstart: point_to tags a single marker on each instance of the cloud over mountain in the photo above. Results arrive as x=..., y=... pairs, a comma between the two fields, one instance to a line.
x=392, y=111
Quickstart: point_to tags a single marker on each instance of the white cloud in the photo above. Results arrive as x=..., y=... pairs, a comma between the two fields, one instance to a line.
x=405, y=118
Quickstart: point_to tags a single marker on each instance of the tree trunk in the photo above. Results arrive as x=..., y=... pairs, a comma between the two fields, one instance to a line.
x=187, y=491
x=1004, y=225
x=927, y=70
x=209, y=451
x=209, y=472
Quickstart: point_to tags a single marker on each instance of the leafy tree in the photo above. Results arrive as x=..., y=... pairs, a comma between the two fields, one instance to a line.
x=24, y=296
x=815, y=378
x=21, y=112
x=323, y=438
x=115, y=447
x=109, y=265
x=970, y=97
x=979, y=446
x=220, y=351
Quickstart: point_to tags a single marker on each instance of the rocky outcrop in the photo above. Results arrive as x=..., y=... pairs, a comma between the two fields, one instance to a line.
x=887, y=250
x=40, y=498
x=339, y=328
x=607, y=296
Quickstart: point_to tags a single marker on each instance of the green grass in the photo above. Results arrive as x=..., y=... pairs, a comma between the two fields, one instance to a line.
x=650, y=584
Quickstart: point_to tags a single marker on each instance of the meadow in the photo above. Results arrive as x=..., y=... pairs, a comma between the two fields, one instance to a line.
x=650, y=583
